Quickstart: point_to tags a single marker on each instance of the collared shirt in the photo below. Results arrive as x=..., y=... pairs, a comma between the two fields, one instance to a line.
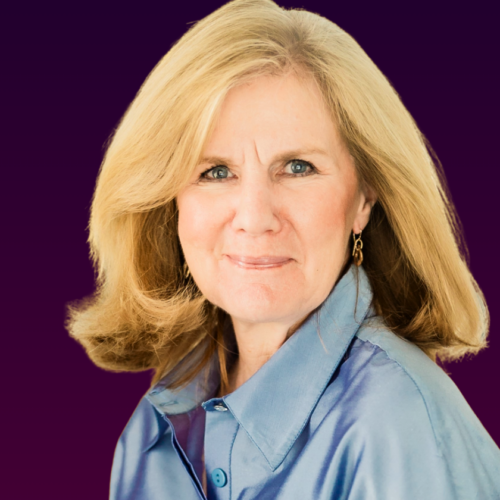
x=344, y=410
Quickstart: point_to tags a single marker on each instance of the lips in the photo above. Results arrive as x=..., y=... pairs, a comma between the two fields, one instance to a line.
x=264, y=262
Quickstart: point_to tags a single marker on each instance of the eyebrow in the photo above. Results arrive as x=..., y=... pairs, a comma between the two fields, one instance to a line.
x=284, y=156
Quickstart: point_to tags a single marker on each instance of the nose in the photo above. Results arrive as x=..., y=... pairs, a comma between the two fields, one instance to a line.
x=256, y=208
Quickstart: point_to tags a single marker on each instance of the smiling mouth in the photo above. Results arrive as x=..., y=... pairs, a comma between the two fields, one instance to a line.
x=265, y=262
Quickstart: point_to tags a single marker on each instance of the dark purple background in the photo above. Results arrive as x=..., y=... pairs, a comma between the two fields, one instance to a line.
x=72, y=69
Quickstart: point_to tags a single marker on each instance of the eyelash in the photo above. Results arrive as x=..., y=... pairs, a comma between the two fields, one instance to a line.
x=203, y=175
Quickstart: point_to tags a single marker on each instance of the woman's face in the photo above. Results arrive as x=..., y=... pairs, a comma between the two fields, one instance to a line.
x=266, y=219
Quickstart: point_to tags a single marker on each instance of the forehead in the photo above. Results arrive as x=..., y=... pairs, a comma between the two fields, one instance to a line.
x=272, y=112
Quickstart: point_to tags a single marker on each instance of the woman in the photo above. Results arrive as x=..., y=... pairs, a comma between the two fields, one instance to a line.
x=273, y=238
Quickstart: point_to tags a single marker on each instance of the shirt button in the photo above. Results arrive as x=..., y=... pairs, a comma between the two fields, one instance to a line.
x=220, y=407
x=219, y=478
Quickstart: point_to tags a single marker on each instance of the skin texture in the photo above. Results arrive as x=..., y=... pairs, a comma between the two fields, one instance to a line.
x=257, y=203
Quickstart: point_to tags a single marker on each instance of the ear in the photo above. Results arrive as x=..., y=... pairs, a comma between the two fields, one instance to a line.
x=367, y=198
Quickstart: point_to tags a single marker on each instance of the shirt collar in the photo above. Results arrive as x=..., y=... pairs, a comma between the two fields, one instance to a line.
x=274, y=405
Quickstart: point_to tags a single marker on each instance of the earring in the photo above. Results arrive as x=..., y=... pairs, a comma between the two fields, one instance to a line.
x=187, y=272
x=356, y=251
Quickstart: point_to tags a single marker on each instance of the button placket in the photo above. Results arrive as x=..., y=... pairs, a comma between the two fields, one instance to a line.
x=220, y=430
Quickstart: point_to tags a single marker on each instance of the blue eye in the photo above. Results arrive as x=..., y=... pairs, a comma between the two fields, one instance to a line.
x=217, y=173
x=298, y=167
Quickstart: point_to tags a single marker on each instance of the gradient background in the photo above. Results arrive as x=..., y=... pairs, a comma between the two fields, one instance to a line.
x=72, y=68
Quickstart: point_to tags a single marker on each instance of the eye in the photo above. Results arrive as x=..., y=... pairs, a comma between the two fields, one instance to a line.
x=298, y=168
x=219, y=172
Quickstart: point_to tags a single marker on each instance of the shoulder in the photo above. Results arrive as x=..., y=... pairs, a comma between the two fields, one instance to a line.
x=143, y=430
x=403, y=370
x=403, y=406
x=391, y=413
x=376, y=395
x=131, y=461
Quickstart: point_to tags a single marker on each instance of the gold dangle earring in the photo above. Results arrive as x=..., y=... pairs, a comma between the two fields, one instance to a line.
x=356, y=251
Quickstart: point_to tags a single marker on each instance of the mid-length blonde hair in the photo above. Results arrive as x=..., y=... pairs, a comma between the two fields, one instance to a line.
x=146, y=314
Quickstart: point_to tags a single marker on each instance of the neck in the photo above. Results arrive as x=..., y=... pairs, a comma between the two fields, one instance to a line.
x=257, y=342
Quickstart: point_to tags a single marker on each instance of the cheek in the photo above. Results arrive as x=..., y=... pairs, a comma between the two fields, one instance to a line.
x=326, y=219
x=200, y=220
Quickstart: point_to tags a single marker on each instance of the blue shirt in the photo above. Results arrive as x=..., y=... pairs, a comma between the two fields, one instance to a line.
x=344, y=410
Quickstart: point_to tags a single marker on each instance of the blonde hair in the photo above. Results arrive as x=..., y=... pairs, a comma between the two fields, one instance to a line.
x=147, y=314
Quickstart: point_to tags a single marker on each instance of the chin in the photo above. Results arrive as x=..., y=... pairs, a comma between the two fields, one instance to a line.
x=258, y=303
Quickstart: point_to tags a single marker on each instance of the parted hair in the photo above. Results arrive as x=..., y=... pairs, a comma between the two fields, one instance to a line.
x=146, y=313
